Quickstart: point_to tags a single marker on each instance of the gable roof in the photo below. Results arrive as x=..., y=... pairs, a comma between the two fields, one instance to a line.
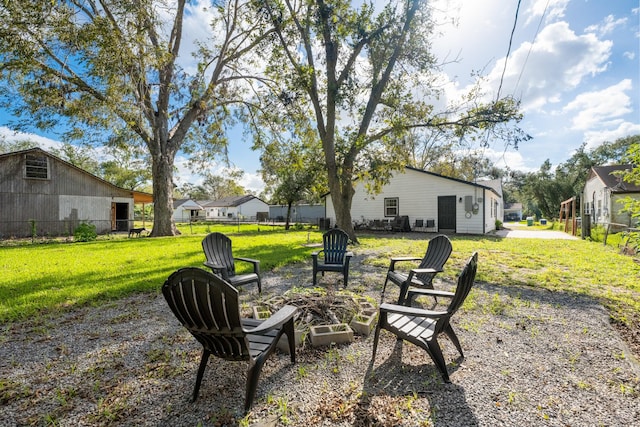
x=487, y=186
x=613, y=182
x=230, y=201
x=186, y=204
x=138, y=196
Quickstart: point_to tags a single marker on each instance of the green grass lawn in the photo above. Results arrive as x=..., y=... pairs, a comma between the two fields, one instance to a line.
x=48, y=277
x=44, y=278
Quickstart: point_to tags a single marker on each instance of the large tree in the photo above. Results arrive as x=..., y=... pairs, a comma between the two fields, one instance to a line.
x=366, y=76
x=109, y=69
x=293, y=173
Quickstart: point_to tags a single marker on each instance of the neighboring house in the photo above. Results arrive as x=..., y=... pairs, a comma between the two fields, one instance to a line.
x=244, y=207
x=42, y=193
x=443, y=204
x=513, y=211
x=602, y=193
x=187, y=210
x=299, y=213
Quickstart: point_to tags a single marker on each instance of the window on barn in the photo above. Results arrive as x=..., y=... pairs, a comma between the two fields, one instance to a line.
x=36, y=166
x=391, y=206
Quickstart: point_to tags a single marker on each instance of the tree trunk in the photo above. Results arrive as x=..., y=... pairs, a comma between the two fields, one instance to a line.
x=341, y=196
x=163, y=224
x=286, y=225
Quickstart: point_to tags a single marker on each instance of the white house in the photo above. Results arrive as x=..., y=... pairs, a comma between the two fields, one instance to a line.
x=602, y=192
x=245, y=207
x=441, y=203
x=186, y=210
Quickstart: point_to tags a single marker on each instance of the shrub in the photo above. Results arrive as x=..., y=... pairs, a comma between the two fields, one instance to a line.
x=85, y=233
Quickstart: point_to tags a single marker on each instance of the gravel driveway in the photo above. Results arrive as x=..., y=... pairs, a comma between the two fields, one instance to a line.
x=518, y=231
x=533, y=357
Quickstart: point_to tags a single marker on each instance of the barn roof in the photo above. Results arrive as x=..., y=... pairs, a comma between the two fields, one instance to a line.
x=138, y=196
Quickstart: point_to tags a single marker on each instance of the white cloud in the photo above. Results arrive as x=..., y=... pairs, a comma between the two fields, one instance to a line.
x=609, y=24
x=552, y=10
x=557, y=62
x=597, y=109
x=508, y=158
x=42, y=142
x=252, y=182
x=596, y=138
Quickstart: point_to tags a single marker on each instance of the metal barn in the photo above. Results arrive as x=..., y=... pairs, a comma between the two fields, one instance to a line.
x=43, y=194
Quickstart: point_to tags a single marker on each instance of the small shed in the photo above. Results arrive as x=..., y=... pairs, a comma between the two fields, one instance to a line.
x=43, y=194
x=187, y=210
x=243, y=207
x=432, y=202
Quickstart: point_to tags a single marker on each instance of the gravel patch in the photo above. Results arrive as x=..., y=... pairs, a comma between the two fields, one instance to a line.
x=532, y=357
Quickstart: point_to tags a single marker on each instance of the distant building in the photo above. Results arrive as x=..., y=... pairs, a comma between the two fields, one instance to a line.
x=40, y=190
x=513, y=211
x=244, y=207
x=187, y=210
x=602, y=192
x=307, y=213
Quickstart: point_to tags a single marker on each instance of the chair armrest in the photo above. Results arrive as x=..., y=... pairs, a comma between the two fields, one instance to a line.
x=252, y=261
x=425, y=270
x=348, y=254
x=430, y=292
x=410, y=311
x=415, y=271
x=255, y=262
x=392, y=265
x=317, y=253
x=278, y=319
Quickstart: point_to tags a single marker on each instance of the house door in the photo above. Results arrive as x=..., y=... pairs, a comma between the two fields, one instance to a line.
x=119, y=216
x=447, y=214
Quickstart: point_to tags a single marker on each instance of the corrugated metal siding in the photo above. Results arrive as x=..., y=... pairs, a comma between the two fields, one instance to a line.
x=51, y=202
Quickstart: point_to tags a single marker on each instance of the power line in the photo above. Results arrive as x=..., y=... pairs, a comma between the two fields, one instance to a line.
x=513, y=30
x=544, y=12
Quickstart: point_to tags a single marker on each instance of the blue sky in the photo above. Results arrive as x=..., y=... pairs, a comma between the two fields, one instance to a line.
x=574, y=64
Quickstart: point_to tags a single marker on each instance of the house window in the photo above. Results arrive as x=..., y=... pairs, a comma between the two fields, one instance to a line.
x=36, y=166
x=391, y=206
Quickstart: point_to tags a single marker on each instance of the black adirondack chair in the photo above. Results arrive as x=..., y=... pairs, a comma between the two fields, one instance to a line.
x=438, y=252
x=207, y=306
x=220, y=259
x=422, y=327
x=334, y=255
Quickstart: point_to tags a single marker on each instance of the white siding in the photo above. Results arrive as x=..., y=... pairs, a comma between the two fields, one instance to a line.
x=250, y=209
x=417, y=194
x=596, y=200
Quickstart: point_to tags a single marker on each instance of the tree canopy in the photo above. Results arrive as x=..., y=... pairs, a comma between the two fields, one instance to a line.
x=111, y=70
x=360, y=76
x=365, y=76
